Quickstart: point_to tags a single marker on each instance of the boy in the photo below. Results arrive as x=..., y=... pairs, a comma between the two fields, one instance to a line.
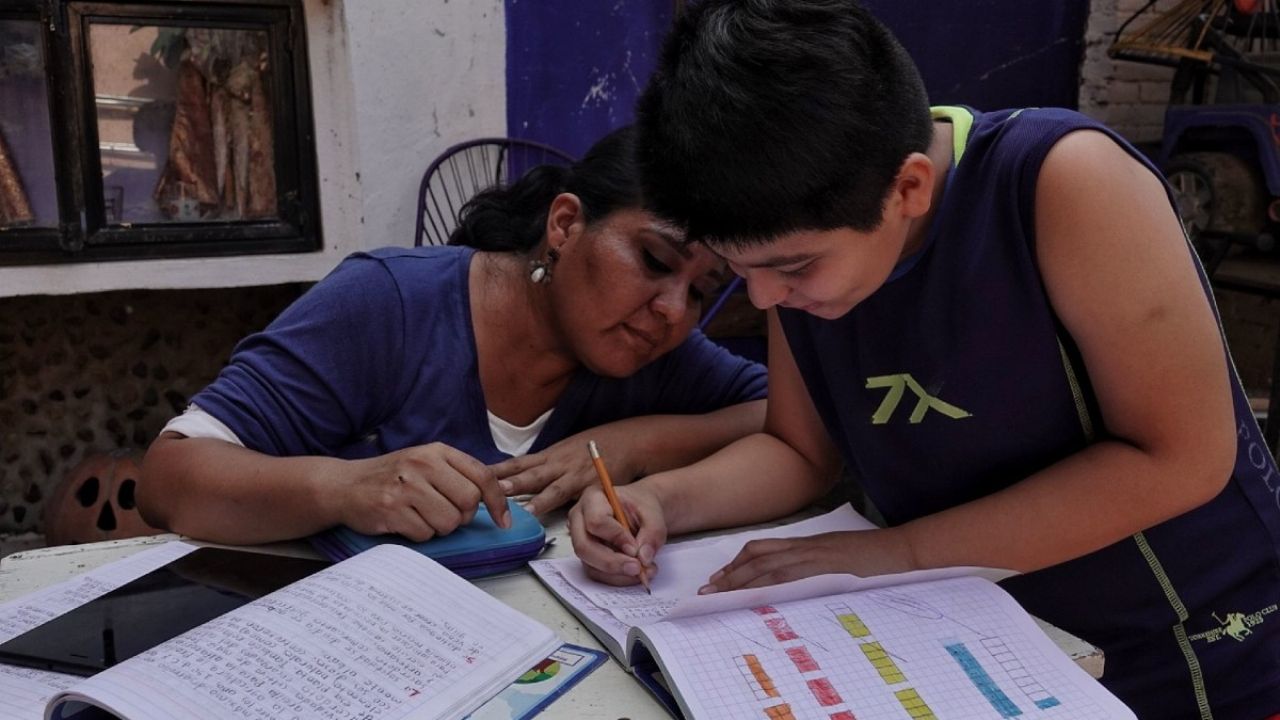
x=995, y=320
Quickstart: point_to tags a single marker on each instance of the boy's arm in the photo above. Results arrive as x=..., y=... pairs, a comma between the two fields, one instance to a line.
x=1121, y=278
x=764, y=475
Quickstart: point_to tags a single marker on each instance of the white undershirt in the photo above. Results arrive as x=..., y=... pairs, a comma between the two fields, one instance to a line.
x=511, y=439
x=516, y=440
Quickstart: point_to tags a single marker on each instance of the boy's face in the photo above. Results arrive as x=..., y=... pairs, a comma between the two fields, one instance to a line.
x=822, y=272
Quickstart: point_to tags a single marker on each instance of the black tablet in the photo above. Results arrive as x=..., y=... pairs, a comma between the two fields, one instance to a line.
x=160, y=605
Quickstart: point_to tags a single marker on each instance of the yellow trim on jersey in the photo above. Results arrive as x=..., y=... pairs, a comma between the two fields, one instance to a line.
x=962, y=120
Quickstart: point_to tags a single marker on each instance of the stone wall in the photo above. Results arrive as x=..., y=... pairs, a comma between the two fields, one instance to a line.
x=1130, y=97
x=105, y=371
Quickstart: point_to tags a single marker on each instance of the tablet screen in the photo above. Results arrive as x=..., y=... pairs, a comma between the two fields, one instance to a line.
x=162, y=604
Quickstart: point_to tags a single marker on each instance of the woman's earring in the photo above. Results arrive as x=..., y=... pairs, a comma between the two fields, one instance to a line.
x=540, y=270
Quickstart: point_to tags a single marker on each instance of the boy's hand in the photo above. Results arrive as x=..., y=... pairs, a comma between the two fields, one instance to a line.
x=609, y=553
x=560, y=473
x=773, y=561
x=418, y=492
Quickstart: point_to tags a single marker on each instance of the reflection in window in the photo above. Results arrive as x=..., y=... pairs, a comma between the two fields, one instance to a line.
x=184, y=123
x=27, y=183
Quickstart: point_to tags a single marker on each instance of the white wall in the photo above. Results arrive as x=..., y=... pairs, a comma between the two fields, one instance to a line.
x=394, y=82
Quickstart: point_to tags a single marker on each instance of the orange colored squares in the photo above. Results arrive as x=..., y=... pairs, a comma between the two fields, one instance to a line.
x=763, y=682
x=779, y=712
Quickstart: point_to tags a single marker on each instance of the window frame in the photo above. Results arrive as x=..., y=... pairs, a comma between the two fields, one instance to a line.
x=83, y=233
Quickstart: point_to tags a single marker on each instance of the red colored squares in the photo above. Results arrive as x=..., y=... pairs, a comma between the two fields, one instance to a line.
x=803, y=660
x=764, y=610
x=843, y=715
x=822, y=690
x=781, y=630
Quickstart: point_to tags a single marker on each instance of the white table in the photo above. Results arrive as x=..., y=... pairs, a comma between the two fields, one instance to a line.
x=608, y=692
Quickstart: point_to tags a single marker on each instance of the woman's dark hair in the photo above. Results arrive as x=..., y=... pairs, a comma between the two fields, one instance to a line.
x=513, y=218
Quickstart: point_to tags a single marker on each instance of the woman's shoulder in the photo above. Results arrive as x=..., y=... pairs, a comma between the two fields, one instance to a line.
x=416, y=271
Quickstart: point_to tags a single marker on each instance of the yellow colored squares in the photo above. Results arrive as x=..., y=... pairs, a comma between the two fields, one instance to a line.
x=853, y=625
x=914, y=704
x=883, y=664
x=779, y=712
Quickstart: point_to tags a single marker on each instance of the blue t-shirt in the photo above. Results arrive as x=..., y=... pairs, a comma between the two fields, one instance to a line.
x=380, y=356
x=956, y=379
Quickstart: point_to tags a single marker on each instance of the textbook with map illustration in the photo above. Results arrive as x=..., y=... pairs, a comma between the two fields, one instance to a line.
x=928, y=644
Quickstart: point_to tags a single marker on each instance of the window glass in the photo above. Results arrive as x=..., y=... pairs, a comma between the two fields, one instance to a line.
x=184, y=118
x=28, y=190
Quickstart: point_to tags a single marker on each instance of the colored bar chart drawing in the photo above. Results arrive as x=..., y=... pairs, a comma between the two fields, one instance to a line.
x=824, y=692
x=803, y=660
x=982, y=680
x=779, y=712
x=1017, y=672
x=849, y=621
x=880, y=659
x=914, y=704
x=756, y=677
x=780, y=629
x=883, y=664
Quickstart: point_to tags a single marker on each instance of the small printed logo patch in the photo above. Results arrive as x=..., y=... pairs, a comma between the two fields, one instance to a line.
x=1235, y=626
x=897, y=386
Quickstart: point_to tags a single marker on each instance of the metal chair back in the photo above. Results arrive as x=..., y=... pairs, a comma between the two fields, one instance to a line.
x=465, y=169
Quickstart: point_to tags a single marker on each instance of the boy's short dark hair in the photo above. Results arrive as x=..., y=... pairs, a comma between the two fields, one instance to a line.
x=770, y=116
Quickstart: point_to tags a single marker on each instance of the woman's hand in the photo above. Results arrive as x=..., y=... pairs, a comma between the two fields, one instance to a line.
x=773, y=561
x=560, y=473
x=611, y=554
x=419, y=492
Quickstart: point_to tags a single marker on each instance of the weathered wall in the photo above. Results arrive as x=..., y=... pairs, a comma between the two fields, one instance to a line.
x=105, y=371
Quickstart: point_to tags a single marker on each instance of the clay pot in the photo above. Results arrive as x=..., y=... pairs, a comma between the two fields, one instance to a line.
x=96, y=501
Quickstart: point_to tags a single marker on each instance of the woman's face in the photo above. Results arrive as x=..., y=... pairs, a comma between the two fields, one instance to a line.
x=627, y=289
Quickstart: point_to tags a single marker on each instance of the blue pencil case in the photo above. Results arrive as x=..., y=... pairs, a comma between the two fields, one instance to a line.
x=474, y=550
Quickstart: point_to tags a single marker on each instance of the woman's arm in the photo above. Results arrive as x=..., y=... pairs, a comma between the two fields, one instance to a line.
x=215, y=490
x=633, y=448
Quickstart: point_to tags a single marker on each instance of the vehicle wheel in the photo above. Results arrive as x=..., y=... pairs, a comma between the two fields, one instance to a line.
x=1217, y=191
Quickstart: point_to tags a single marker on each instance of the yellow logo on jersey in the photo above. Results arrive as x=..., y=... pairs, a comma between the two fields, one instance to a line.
x=897, y=386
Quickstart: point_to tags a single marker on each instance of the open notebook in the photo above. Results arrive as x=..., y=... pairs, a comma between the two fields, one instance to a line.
x=929, y=644
x=388, y=633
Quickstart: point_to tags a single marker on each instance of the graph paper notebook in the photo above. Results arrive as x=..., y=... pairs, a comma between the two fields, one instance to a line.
x=386, y=634
x=925, y=645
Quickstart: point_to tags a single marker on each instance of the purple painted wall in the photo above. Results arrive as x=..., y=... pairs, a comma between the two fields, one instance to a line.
x=575, y=67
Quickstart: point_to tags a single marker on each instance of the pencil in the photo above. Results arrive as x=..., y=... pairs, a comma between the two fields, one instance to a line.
x=618, y=514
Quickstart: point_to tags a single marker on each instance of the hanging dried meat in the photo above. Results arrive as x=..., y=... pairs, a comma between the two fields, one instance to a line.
x=15, y=209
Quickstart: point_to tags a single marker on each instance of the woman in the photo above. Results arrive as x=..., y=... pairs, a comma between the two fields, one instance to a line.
x=379, y=399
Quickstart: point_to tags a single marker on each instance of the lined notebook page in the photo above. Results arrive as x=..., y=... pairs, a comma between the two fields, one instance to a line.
x=387, y=634
x=959, y=648
x=24, y=692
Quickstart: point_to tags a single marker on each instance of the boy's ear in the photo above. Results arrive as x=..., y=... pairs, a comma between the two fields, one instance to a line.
x=565, y=220
x=914, y=185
